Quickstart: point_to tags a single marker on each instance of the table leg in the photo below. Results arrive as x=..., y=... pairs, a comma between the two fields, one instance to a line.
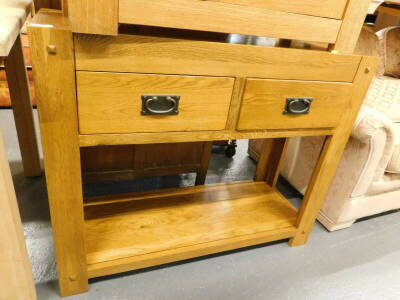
x=16, y=276
x=270, y=161
x=331, y=154
x=205, y=161
x=54, y=75
x=18, y=85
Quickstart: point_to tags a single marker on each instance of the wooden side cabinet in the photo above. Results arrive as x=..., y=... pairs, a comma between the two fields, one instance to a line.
x=168, y=88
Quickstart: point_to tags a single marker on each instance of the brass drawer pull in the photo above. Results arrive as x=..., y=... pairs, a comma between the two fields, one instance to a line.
x=160, y=104
x=297, y=106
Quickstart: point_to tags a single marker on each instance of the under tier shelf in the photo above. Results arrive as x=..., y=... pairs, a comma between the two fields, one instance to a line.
x=132, y=231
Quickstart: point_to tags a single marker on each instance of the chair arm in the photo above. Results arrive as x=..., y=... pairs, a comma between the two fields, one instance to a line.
x=376, y=130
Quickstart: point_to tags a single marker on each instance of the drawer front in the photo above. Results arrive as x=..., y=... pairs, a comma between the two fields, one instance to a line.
x=263, y=18
x=321, y=8
x=112, y=102
x=265, y=103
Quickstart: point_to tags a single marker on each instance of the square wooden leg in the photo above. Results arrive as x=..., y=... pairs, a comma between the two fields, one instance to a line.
x=54, y=74
x=22, y=107
x=330, y=156
x=205, y=161
x=270, y=160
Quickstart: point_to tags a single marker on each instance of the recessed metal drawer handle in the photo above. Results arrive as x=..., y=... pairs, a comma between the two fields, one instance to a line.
x=160, y=104
x=298, y=106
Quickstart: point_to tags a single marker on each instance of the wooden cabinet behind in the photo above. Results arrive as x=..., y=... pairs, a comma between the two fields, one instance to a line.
x=111, y=163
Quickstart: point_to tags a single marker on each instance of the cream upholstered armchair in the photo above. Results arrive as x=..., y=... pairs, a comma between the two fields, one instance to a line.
x=367, y=181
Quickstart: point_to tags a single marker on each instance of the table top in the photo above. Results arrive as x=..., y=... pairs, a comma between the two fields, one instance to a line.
x=13, y=14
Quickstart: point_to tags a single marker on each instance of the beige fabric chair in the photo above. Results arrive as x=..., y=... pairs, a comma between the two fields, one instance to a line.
x=367, y=181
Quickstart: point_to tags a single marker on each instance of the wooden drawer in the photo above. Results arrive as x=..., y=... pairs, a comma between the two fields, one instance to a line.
x=112, y=102
x=311, y=20
x=264, y=103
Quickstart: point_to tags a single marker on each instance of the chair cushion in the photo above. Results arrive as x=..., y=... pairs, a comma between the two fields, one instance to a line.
x=384, y=96
x=394, y=163
x=13, y=14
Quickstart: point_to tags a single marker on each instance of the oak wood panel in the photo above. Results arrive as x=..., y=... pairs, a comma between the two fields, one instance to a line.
x=153, y=194
x=111, y=102
x=111, y=158
x=153, y=259
x=353, y=21
x=50, y=18
x=16, y=280
x=152, y=54
x=268, y=98
x=128, y=174
x=322, y=8
x=96, y=17
x=107, y=158
x=227, y=18
x=18, y=85
x=111, y=163
x=332, y=153
x=138, y=226
x=87, y=140
x=54, y=75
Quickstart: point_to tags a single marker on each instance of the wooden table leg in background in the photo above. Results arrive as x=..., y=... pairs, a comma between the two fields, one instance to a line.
x=270, y=160
x=16, y=280
x=205, y=161
x=18, y=85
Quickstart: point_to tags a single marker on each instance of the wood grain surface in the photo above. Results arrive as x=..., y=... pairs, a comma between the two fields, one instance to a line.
x=171, y=55
x=87, y=140
x=154, y=222
x=228, y=18
x=323, y=8
x=56, y=96
x=332, y=153
x=353, y=21
x=112, y=103
x=18, y=85
x=16, y=280
x=268, y=98
x=96, y=17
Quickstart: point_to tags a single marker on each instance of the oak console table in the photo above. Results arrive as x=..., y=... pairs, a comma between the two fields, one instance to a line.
x=171, y=78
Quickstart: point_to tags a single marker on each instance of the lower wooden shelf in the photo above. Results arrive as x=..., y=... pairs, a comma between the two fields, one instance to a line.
x=132, y=231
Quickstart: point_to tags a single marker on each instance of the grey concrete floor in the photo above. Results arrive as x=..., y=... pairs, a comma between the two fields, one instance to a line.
x=361, y=262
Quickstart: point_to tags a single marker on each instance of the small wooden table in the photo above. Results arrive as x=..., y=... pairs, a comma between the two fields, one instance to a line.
x=142, y=85
x=12, y=17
